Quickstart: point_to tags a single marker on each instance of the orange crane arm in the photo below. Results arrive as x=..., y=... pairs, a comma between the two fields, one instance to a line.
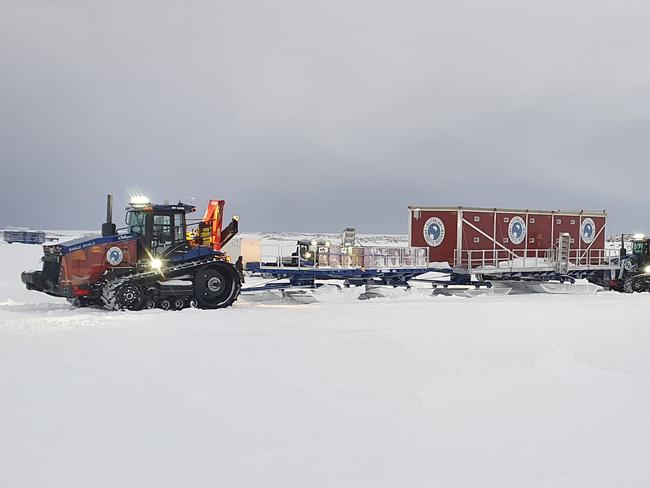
x=213, y=218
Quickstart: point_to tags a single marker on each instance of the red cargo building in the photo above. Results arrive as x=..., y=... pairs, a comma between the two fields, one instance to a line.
x=488, y=236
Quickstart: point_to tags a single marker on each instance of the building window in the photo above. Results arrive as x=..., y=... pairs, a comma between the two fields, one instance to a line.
x=477, y=218
x=476, y=240
x=558, y=221
x=531, y=220
x=506, y=219
x=573, y=221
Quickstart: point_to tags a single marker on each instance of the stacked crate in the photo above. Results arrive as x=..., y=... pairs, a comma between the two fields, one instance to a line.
x=372, y=257
x=352, y=257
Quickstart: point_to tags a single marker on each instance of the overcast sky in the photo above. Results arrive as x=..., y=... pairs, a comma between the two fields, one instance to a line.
x=313, y=116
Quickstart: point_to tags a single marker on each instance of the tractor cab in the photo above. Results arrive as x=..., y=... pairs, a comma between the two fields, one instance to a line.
x=164, y=233
x=641, y=250
x=161, y=229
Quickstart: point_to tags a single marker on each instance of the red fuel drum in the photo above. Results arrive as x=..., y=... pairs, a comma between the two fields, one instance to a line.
x=451, y=233
x=85, y=266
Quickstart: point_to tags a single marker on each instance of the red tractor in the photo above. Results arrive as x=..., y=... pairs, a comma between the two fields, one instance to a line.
x=153, y=262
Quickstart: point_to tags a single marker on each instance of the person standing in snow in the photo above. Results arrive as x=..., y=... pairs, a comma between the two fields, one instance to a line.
x=239, y=264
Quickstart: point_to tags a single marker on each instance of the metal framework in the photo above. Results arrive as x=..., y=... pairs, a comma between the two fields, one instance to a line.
x=535, y=260
x=310, y=277
x=389, y=266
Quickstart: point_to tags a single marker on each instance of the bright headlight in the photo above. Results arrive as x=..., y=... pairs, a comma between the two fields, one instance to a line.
x=646, y=269
x=139, y=200
x=155, y=263
x=307, y=255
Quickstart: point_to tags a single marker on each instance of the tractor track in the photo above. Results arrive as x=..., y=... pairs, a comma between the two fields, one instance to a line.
x=110, y=287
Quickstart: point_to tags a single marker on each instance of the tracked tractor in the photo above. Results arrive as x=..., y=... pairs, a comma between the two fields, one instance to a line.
x=635, y=267
x=633, y=273
x=160, y=259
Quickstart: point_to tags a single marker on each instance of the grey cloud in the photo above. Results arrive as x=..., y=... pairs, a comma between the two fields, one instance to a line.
x=317, y=115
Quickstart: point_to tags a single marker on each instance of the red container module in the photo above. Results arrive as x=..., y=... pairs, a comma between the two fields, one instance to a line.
x=465, y=235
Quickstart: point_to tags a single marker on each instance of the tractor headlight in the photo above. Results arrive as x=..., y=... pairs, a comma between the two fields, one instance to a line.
x=155, y=263
x=307, y=255
x=139, y=200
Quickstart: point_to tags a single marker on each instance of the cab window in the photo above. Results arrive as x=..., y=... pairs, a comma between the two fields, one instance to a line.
x=639, y=247
x=179, y=227
x=162, y=233
x=136, y=222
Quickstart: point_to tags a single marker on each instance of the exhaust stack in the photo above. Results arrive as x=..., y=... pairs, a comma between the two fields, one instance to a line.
x=108, y=227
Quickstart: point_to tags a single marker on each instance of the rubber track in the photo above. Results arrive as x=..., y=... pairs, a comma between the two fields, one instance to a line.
x=111, y=285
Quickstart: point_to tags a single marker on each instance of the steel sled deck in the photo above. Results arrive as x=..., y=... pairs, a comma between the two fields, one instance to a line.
x=311, y=277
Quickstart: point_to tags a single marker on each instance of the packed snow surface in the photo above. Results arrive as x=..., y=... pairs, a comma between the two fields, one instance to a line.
x=405, y=391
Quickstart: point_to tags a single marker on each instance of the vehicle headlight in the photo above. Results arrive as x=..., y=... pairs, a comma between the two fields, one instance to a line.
x=139, y=200
x=646, y=269
x=155, y=263
x=307, y=255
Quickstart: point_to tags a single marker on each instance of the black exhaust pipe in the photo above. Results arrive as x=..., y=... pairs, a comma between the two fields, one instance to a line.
x=108, y=227
x=623, y=251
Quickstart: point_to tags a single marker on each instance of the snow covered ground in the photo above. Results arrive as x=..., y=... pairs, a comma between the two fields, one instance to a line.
x=406, y=391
